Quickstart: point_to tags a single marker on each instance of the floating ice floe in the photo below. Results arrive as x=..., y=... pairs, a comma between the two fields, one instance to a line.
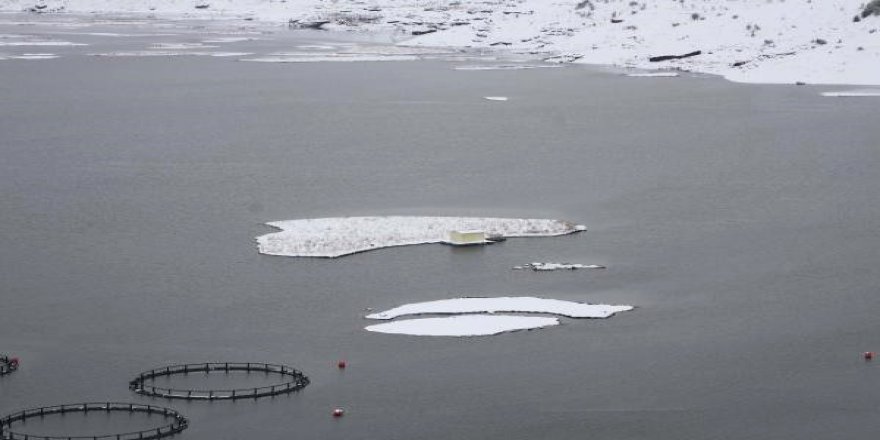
x=221, y=40
x=315, y=47
x=181, y=46
x=40, y=43
x=653, y=75
x=505, y=67
x=861, y=93
x=495, y=98
x=335, y=237
x=30, y=56
x=314, y=57
x=467, y=325
x=522, y=304
x=168, y=53
x=541, y=267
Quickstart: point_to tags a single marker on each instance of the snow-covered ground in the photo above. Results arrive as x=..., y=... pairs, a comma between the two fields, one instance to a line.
x=548, y=267
x=466, y=325
x=762, y=41
x=522, y=304
x=335, y=237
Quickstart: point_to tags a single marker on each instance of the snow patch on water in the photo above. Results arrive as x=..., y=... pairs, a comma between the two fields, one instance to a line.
x=40, y=43
x=467, y=325
x=312, y=57
x=653, y=75
x=168, y=53
x=335, y=237
x=543, y=267
x=523, y=304
x=30, y=56
x=862, y=93
x=181, y=46
x=504, y=67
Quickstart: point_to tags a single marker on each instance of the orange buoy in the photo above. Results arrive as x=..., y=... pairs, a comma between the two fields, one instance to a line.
x=869, y=355
x=338, y=412
x=341, y=364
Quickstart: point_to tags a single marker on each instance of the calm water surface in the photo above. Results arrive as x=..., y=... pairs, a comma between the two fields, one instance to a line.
x=742, y=220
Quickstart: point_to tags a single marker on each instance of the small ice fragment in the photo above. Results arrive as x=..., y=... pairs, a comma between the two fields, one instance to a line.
x=496, y=98
x=546, y=267
x=860, y=93
x=466, y=325
x=653, y=75
x=524, y=304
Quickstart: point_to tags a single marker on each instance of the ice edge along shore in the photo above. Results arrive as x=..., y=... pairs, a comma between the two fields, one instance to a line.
x=773, y=41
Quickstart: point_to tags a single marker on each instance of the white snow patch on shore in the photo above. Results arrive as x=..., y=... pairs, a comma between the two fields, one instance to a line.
x=338, y=236
x=816, y=42
x=863, y=93
x=523, y=304
x=461, y=326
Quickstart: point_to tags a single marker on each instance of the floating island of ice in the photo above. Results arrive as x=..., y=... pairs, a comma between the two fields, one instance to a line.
x=653, y=75
x=546, y=267
x=861, y=93
x=511, y=304
x=477, y=315
x=335, y=237
x=466, y=325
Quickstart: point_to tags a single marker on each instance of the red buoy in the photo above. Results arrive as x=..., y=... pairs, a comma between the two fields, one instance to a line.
x=338, y=412
x=13, y=362
x=341, y=364
x=869, y=355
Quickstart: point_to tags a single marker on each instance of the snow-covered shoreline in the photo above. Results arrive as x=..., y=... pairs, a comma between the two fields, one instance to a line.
x=335, y=237
x=775, y=41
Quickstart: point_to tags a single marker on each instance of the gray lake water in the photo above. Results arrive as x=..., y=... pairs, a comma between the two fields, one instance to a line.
x=742, y=220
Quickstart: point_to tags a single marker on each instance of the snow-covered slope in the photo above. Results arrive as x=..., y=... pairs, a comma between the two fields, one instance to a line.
x=776, y=41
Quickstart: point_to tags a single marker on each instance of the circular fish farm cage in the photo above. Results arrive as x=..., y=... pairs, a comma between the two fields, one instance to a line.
x=294, y=380
x=178, y=424
x=7, y=364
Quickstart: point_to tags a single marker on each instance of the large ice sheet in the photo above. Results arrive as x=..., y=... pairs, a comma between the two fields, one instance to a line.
x=467, y=325
x=522, y=304
x=338, y=236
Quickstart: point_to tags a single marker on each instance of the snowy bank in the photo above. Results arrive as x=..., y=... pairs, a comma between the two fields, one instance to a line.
x=335, y=237
x=468, y=325
x=523, y=304
x=766, y=41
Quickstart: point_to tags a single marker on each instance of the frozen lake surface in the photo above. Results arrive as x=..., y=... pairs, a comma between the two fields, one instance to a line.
x=741, y=219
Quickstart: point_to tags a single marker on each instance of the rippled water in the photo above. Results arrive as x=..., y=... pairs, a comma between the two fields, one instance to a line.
x=741, y=220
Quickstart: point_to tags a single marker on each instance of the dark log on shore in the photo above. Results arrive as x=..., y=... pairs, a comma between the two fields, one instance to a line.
x=657, y=59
